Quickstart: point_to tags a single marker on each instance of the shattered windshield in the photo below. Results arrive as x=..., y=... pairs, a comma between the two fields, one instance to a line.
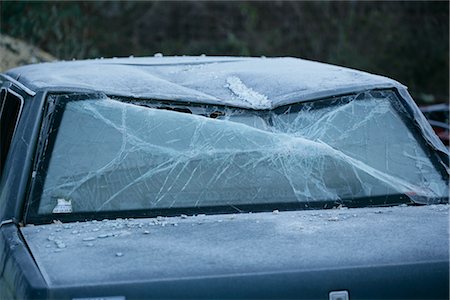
x=111, y=155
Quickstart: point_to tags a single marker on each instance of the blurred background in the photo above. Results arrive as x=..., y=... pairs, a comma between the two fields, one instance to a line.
x=408, y=40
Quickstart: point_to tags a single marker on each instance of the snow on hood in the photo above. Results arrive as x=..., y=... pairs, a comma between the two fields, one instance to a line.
x=257, y=83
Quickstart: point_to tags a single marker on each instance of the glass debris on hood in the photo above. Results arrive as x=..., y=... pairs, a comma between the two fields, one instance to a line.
x=190, y=249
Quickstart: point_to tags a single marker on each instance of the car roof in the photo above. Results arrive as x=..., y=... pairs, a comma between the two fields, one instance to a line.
x=249, y=82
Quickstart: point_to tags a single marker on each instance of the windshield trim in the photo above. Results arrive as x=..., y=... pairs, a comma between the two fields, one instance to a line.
x=378, y=201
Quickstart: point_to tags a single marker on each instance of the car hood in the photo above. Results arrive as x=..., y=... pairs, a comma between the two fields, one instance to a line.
x=155, y=249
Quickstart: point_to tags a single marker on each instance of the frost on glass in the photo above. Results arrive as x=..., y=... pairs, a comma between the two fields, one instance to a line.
x=110, y=155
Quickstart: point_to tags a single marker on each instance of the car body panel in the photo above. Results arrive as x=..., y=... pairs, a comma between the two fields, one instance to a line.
x=410, y=281
x=185, y=248
x=20, y=277
x=18, y=168
x=204, y=79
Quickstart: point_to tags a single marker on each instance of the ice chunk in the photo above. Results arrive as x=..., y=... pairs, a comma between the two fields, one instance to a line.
x=60, y=244
x=245, y=93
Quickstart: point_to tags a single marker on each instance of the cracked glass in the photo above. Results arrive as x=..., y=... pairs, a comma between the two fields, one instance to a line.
x=111, y=155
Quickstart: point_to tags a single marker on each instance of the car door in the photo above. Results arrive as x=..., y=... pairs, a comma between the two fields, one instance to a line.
x=19, y=275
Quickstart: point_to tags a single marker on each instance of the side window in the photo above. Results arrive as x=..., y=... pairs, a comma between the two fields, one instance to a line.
x=9, y=115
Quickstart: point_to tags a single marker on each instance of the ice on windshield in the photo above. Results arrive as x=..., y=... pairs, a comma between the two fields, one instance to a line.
x=111, y=156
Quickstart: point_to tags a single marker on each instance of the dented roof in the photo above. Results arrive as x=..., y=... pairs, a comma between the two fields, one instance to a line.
x=249, y=82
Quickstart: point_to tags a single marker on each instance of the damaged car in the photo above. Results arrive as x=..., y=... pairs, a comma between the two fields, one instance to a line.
x=218, y=177
x=438, y=116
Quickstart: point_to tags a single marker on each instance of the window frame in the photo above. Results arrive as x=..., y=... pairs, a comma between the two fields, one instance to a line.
x=8, y=90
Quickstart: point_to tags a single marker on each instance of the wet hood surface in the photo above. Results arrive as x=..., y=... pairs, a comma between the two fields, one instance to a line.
x=130, y=250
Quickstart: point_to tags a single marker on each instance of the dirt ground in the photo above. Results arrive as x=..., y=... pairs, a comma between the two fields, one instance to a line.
x=14, y=53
